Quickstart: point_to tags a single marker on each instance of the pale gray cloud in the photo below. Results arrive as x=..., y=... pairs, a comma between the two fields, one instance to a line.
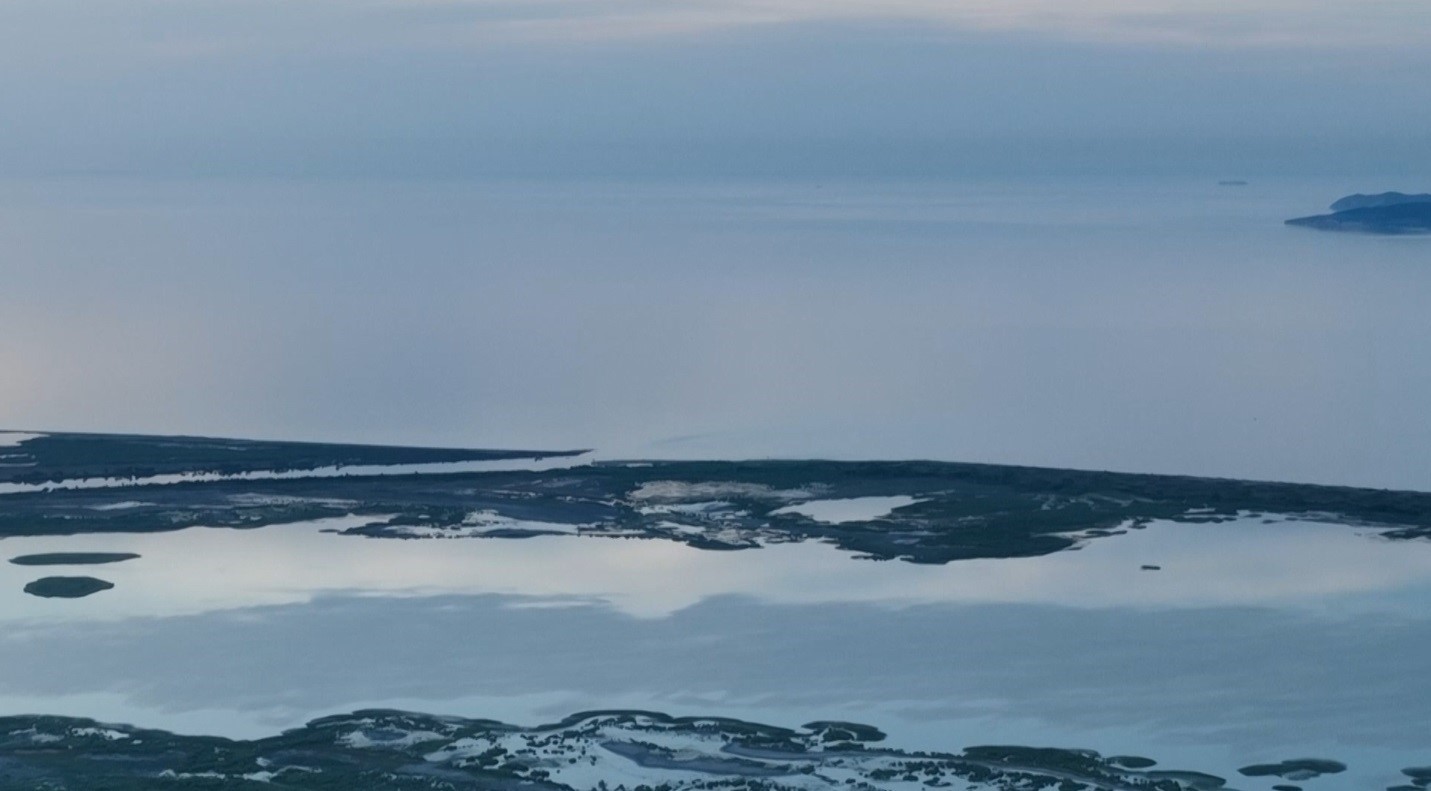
x=166, y=29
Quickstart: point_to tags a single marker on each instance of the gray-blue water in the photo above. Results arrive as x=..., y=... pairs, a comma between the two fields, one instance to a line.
x=1256, y=642
x=1172, y=326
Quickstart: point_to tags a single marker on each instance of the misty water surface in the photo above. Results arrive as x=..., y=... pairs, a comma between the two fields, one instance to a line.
x=1171, y=326
x=1254, y=642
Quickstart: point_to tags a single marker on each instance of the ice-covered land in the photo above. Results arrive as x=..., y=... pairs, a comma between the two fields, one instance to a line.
x=382, y=749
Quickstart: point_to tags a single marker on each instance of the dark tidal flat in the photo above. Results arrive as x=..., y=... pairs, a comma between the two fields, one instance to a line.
x=961, y=511
x=67, y=587
x=73, y=558
x=68, y=456
x=1296, y=769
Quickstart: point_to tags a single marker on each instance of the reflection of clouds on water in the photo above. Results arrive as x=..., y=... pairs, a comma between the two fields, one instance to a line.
x=1223, y=677
x=1254, y=640
x=1241, y=563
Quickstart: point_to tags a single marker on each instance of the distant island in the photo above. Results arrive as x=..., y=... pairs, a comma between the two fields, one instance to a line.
x=73, y=558
x=1360, y=201
x=1389, y=213
x=67, y=587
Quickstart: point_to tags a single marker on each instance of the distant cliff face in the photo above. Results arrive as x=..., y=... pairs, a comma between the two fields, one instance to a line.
x=1412, y=217
x=1360, y=201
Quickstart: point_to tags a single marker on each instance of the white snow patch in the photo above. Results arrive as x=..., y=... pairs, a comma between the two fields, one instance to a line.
x=683, y=508
x=360, y=739
x=108, y=733
x=36, y=736
x=479, y=523
x=127, y=504
x=854, y=509
x=11, y=439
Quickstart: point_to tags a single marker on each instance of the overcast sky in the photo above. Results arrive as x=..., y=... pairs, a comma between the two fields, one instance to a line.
x=710, y=87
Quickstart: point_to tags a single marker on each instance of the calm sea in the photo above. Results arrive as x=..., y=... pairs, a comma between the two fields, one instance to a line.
x=1170, y=326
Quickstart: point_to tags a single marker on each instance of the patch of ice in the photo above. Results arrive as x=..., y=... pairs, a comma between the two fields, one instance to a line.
x=361, y=739
x=122, y=506
x=35, y=735
x=107, y=733
x=488, y=521
x=480, y=523
x=683, y=508
x=705, y=491
x=854, y=509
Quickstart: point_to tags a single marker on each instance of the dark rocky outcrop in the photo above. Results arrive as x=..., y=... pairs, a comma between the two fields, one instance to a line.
x=73, y=558
x=1360, y=201
x=1395, y=219
x=67, y=587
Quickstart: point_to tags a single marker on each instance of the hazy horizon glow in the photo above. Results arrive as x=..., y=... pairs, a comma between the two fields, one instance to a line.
x=477, y=88
x=211, y=27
